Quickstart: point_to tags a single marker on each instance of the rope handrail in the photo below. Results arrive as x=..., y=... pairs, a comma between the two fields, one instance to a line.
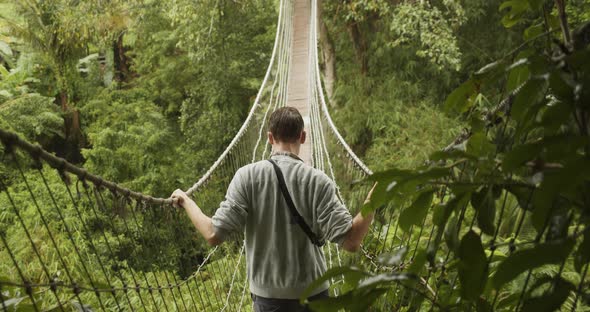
x=12, y=139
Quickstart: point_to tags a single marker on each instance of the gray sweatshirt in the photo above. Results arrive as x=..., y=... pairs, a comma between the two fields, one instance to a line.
x=281, y=260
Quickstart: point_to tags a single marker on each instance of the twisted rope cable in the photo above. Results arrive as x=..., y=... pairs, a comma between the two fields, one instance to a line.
x=11, y=139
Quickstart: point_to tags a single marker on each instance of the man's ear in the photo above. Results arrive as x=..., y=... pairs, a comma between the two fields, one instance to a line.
x=302, y=137
x=271, y=139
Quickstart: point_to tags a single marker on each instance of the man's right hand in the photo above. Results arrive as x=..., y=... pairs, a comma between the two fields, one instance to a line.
x=180, y=198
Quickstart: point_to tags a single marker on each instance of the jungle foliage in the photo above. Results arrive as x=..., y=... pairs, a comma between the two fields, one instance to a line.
x=147, y=93
x=143, y=93
x=506, y=203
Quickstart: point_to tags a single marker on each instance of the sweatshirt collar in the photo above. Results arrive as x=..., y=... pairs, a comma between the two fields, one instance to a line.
x=289, y=154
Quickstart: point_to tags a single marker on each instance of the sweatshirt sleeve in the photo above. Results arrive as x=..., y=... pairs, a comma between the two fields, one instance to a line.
x=333, y=218
x=231, y=215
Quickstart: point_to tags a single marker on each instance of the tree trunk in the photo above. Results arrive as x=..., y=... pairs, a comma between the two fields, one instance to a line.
x=122, y=72
x=328, y=54
x=360, y=46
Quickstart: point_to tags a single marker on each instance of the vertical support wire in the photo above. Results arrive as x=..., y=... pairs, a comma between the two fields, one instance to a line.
x=143, y=242
x=90, y=239
x=176, y=216
x=130, y=233
x=46, y=225
x=69, y=232
x=165, y=271
x=18, y=269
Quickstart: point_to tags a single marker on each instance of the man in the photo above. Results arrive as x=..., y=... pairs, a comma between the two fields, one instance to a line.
x=282, y=258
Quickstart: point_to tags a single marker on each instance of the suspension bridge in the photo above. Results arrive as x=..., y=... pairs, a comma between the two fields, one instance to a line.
x=67, y=265
x=219, y=281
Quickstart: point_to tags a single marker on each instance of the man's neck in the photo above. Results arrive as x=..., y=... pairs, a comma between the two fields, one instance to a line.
x=286, y=148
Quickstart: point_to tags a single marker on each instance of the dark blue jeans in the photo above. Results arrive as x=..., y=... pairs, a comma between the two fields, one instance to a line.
x=262, y=304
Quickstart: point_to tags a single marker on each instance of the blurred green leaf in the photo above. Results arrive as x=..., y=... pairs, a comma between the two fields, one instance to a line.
x=392, y=258
x=417, y=264
x=522, y=260
x=551, y=300
x=400, y=183
x=479, y=145
x=353, y=273
x=485, y=205
x=528, y=98
x=452, y=234
x=518, y=72
x=519, y=155
x=461, y=99
x=473, y=266
x=483, y=306
x=555, y=116
x=535, y=4
x=415, y=213
x=582, y=254
x=516, y=10
x=359, y=300
x=523, y=195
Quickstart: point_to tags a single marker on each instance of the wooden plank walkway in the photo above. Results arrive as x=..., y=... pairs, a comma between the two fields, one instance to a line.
x=297, y=85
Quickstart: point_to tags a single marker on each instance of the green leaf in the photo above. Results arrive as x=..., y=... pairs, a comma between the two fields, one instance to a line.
x=418, y=263
x=517, y=77
x=443, y=212
x=473, y=266
x=554, y=116
x=523, y=195
x=414, y=214
x=535, y=4
x=352, y=273
x=519, y=155
x=560, y=181
x=450, y=155
x=550, y=301
x=508, y=301
x=528, y=98
x=392, y=258
x=350, y=301
x=462, y=98
x=491, y=72
x=479, y=145
x=385, y=279
x=485, y=204
x=533, y=31
x=398, y=184
x=517, y=8
x=452, y=234
x=483, y=306
x=390, y=175
x=553, y=252
x=582, y=255
x=561, y=86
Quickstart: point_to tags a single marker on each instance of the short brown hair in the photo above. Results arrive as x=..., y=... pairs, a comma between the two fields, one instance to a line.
x=286, y=124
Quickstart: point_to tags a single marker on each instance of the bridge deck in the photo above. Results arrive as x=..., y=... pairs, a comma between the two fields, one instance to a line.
x=297, y=87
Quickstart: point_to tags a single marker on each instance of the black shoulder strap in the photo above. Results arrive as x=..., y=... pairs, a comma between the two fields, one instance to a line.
x=294, y=213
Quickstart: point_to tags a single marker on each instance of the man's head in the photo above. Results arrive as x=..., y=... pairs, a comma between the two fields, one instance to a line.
x=286, y=127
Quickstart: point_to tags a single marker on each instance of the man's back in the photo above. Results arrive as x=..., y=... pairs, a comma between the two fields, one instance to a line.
x=281, y=259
